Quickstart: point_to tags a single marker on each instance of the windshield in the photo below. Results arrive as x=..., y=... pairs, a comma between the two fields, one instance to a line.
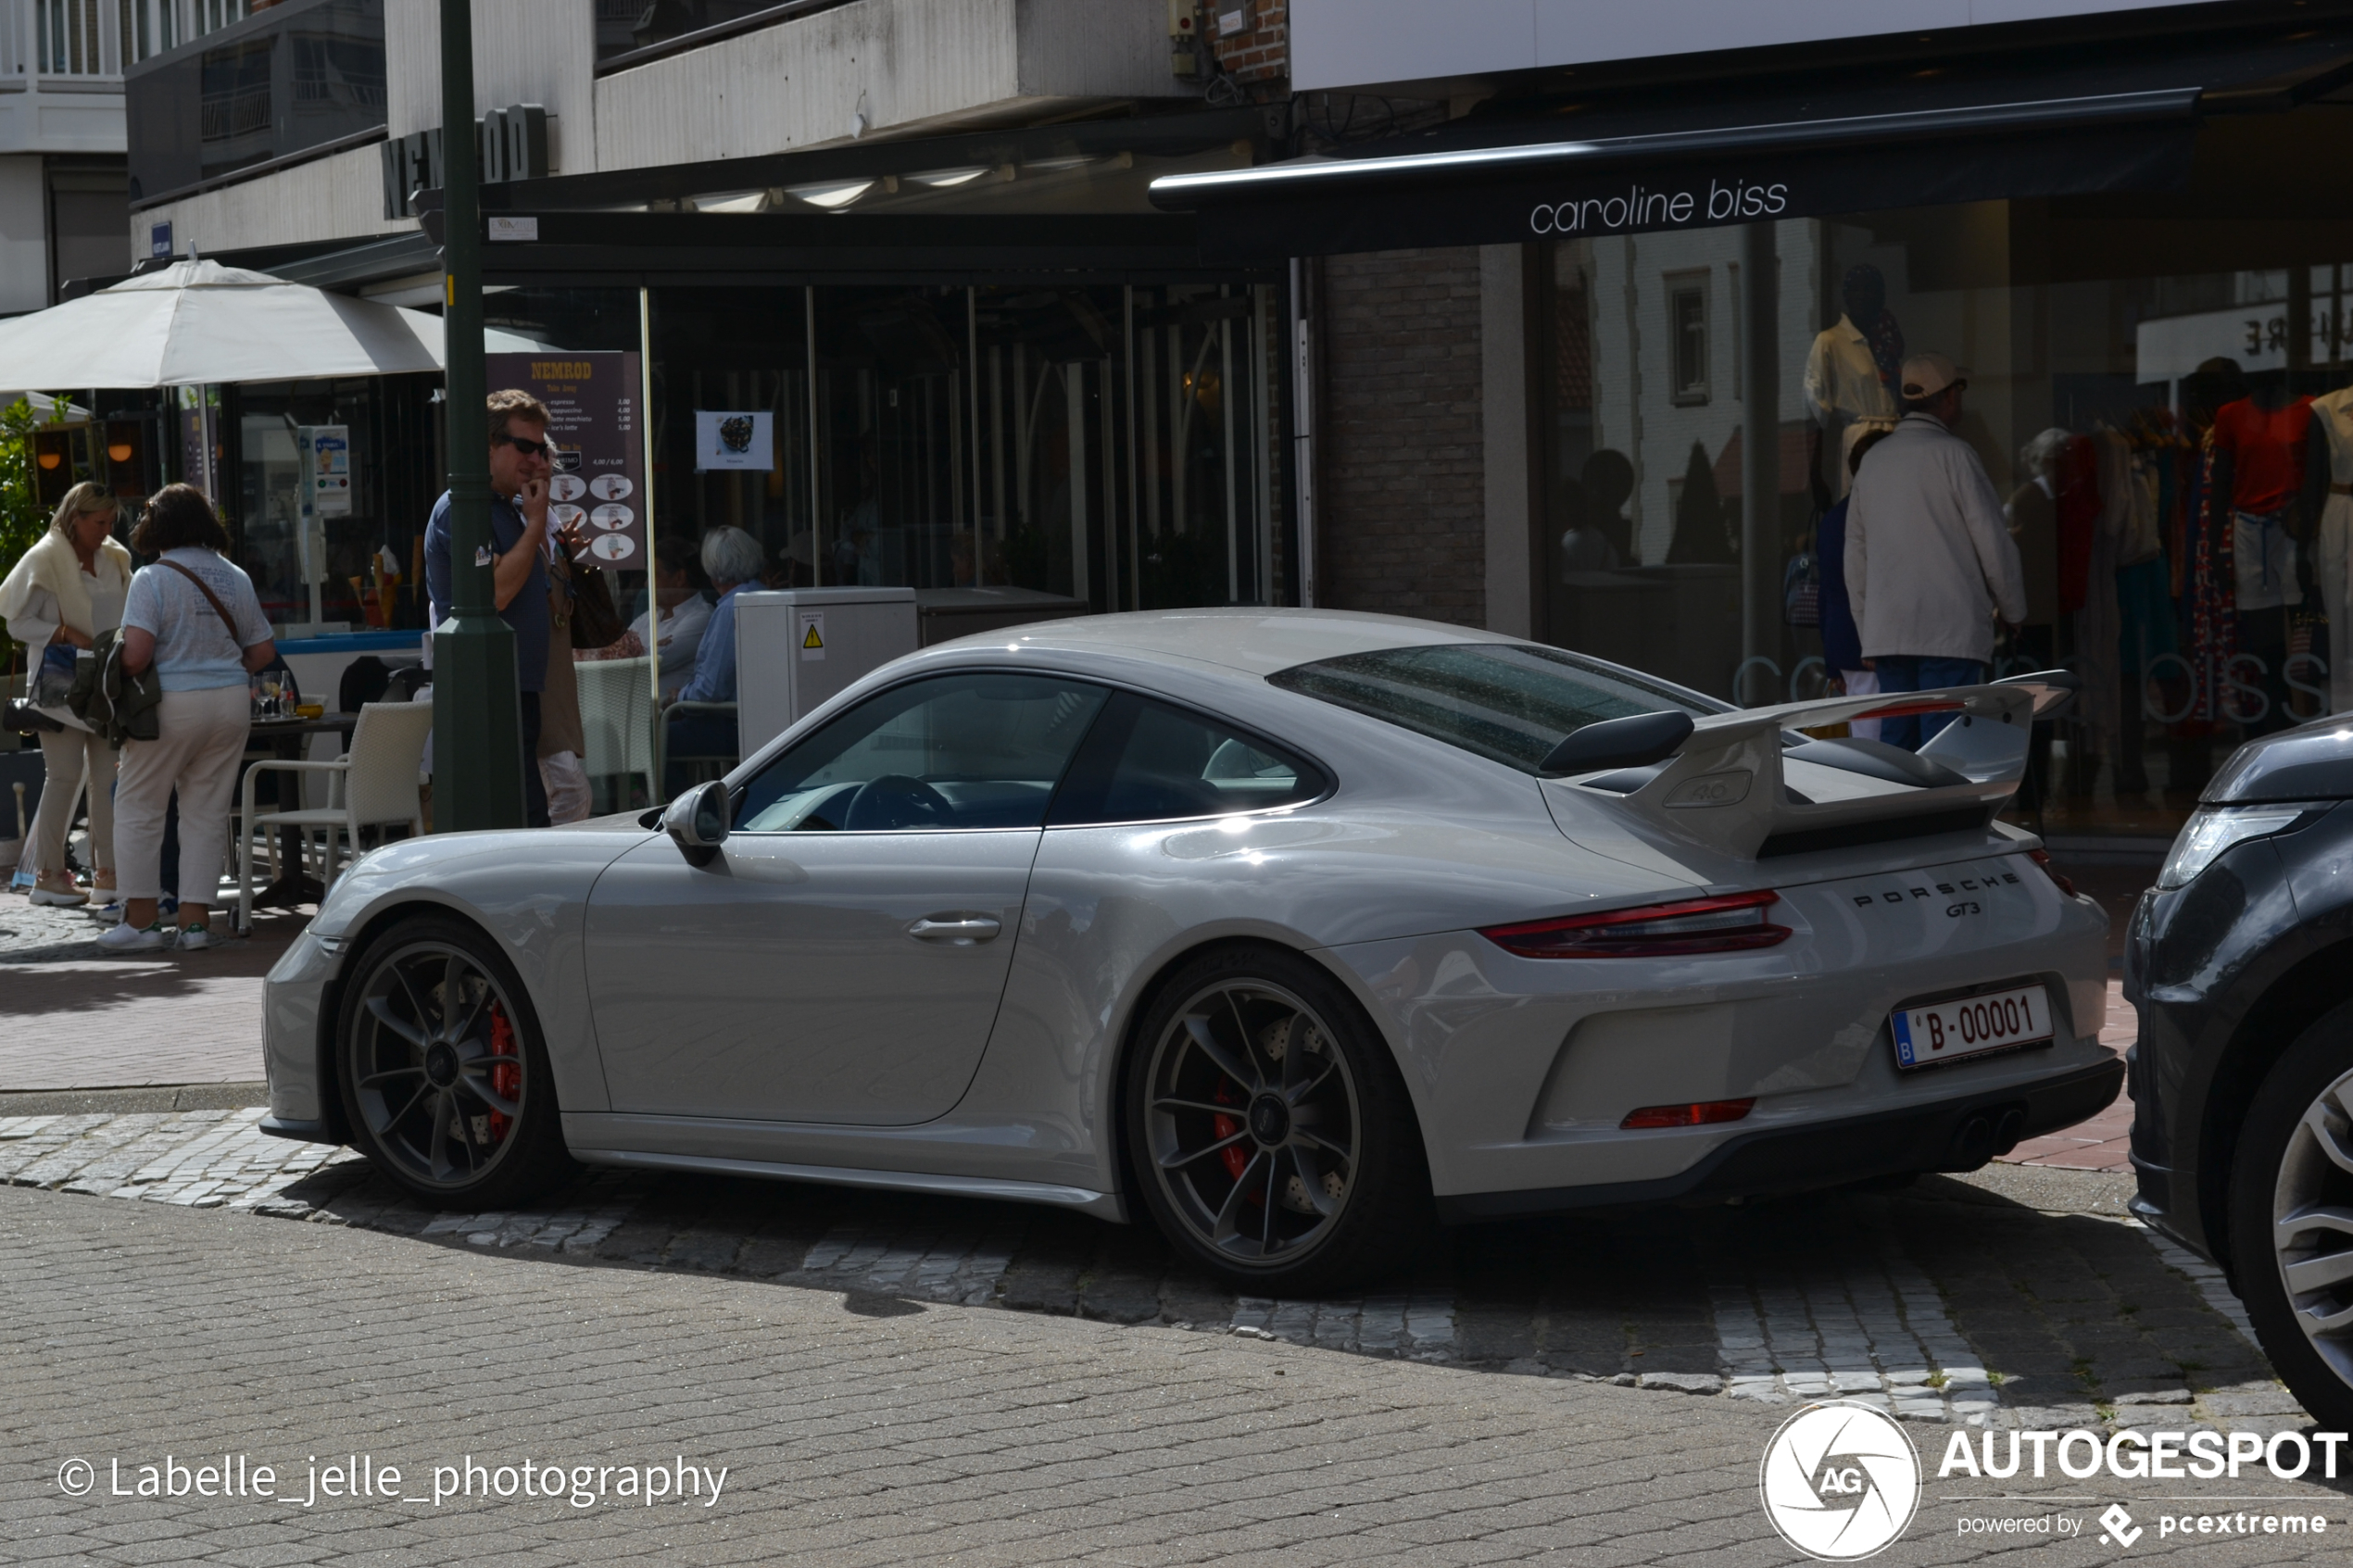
x=1509, y=702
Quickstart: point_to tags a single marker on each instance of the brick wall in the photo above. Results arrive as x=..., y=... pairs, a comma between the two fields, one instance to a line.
x=1403, y=466
x=1259, y=49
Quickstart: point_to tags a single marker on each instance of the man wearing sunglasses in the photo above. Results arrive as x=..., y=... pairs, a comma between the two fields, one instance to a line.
x=519, y=475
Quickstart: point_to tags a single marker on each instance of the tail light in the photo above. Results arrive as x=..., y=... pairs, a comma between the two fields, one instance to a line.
x=1725, y=924
x=1700, y=1114
x=2043, y=859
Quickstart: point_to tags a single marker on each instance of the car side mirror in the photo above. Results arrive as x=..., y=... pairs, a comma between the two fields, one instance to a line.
x=1633, y=742
x=696, y=821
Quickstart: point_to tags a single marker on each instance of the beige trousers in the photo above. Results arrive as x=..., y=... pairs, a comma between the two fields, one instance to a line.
x=202, y=741
x=72, y=758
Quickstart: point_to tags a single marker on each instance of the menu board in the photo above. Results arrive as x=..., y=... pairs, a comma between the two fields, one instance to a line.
x=593, y=427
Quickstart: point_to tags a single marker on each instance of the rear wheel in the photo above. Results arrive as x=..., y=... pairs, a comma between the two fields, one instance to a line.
x=1268, y=1126
x=443, y=1076
x=2291, y=1212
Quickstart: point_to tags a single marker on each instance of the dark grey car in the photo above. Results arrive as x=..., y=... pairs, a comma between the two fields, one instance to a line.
x=2240, y=963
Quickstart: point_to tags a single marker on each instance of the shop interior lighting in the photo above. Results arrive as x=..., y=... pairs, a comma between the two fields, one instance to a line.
x=1054, y=165
x=118, y=451
x=49, y=460
x=734, y=201
x=831, y=193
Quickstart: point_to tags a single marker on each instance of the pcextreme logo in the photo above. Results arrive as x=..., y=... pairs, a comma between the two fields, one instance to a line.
x=1840, y=1481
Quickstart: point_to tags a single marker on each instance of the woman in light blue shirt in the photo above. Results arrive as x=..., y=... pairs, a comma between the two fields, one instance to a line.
x=194, y=619
x=733, y=558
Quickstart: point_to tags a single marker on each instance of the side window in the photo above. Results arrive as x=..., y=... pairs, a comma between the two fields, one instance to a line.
x=1148, y=762
x=976, y=750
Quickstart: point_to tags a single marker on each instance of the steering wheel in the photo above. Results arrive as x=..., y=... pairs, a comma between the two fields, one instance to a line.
x=897, y=800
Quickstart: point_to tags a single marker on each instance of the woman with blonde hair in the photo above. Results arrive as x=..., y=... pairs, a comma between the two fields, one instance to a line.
x=66, y=591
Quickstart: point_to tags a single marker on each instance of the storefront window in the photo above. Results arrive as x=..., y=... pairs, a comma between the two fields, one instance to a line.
x=2142, y=396
x=1109, y=443
x=333, y=572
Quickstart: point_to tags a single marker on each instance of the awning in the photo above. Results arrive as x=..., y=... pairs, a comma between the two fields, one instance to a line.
x=1689, y=157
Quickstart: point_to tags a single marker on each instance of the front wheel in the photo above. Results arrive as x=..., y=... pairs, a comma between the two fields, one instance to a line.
x=2291, y=1210
x=1269, y=1129
x=443, y=1072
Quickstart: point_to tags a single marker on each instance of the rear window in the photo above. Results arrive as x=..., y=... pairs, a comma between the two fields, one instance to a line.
x=1509, y=702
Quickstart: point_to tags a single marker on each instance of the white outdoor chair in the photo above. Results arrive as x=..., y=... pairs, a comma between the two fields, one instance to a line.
x=617, y=721
x=372, y=785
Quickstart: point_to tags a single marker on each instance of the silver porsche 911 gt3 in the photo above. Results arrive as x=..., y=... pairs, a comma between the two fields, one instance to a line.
x=1289, y=928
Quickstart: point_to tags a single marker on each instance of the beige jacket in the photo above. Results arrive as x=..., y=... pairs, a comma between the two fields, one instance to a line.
x=1928, y=557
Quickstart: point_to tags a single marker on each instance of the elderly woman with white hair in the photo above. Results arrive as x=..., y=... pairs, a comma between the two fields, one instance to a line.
x=67, y=590
x=733, y=560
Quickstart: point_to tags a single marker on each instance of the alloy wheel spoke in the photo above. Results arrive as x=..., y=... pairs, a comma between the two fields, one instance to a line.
x=373, y=1079
x=1294, y=1096
x=437, y=1148
x=1250, y=1050
x=2318, y=1121
x=398, y=1116
x=487, y=1094
x=1311, y=1176
x=1179, y=1161
x=1172, y=1103
x=2317, y=1273
x=2286, y=1231
x=1229, y=1213
x=416, y=1003
x=1244, y=1072
x=380, y=1010
x=1317, y=1142
x=1266, y=1226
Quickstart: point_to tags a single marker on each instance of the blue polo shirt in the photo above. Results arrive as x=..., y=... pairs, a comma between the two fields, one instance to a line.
x=526, y=612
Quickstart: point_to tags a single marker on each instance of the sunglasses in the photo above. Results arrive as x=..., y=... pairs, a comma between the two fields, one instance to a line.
x=528, y=449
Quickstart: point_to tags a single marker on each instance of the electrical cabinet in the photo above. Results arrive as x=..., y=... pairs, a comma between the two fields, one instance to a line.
x=796, y=648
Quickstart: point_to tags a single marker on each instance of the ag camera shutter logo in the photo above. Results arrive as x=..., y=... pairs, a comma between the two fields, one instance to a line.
x=1840, y=1481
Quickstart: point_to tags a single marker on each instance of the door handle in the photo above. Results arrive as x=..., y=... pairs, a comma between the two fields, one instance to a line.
x=957, y=930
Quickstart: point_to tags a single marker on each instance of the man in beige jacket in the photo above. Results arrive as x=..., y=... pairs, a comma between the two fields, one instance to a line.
x=1930, y=560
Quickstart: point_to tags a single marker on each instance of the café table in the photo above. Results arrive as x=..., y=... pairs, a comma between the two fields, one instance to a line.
x=286, y=738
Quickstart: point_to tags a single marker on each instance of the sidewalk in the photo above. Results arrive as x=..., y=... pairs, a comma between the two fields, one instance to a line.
x=81, y=1019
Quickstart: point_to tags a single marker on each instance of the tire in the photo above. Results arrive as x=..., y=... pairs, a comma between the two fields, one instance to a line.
x=459, y=1111
x=2296, y=1156
x=1255, y=1071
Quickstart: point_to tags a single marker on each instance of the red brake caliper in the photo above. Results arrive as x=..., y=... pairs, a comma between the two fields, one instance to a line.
x=505, y=1082
x=1237, y=1159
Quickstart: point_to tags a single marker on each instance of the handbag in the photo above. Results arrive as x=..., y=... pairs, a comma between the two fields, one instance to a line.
x=24, y=719
x=54, y=679
x=595, y=622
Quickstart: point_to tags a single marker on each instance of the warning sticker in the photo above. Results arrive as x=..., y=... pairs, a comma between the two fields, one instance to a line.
x=813, y=634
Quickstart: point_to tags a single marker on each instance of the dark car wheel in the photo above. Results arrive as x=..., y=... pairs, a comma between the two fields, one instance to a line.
x=443, y=1072
x=1269, y=1128
x=2291, y=1210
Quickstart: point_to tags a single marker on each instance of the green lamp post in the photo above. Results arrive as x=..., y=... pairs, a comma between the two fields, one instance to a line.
x=477, y=713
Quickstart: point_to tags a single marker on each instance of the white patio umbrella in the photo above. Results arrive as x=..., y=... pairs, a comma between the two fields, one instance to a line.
x=199, y=322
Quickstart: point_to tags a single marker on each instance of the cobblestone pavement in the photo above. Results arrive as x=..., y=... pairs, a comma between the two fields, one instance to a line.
x=853, y=1426
x=1945, y=1302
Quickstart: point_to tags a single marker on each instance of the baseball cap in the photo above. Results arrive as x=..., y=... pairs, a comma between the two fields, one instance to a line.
x=1925, y=375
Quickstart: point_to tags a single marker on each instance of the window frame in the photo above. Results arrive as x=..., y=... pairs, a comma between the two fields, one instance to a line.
x=736, y=791
x=760, y=764
x=1248, y=734
x=1694, y=285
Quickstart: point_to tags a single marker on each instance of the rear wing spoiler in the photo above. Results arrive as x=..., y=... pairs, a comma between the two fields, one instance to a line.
x=1727, y=789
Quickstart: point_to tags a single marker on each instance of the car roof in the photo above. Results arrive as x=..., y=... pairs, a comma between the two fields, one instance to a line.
x=1252, y=641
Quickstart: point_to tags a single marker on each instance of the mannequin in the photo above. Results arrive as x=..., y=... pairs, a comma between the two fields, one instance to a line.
x=1850, y=378
x=2261, y=444
x=2328, y=496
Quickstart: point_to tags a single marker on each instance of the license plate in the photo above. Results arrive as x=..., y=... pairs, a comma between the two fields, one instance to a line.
x=1946, y=1031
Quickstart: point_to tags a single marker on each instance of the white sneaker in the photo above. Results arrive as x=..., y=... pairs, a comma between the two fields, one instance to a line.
x=195, y=938
x=105, y=914
x=129, y=938
x=63, y=901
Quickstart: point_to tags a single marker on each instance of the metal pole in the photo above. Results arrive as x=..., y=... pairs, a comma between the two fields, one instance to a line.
x=1760, y=450
x=477, y=710
x=1303, y=392
x=653, y=607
